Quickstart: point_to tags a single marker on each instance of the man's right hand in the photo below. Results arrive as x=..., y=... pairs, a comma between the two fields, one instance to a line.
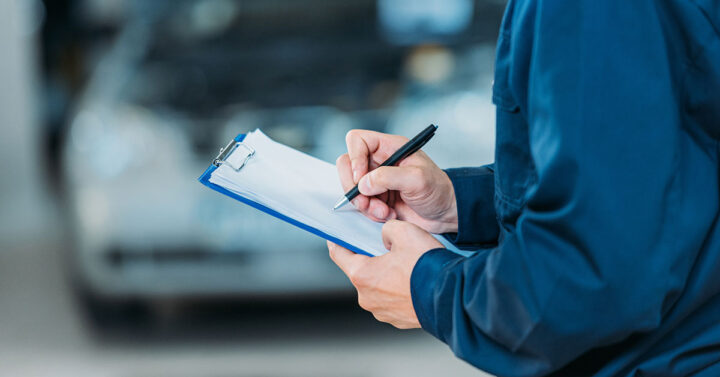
x=416, y=190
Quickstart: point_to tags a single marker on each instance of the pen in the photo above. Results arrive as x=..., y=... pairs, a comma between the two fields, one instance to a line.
x=412, y=146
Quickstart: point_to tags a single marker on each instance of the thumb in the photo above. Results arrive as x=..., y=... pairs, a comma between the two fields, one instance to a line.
x=385, y=178
x=348, y=261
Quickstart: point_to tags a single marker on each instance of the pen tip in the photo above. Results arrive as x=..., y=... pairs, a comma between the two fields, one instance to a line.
x=340, y=203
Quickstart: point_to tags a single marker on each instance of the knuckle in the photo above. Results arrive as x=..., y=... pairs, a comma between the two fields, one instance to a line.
x=342, y=158
x=350, y=135
x=386, y=228
x=384, y=172
x=357, y=277
x=379, y=176
x=371, y=179
x=396, y=228
x=364, y=302
x=390, y=226
x=417, y=174
x=352, y=275
x=381, y=317
x=361, y=300
x=393, y=224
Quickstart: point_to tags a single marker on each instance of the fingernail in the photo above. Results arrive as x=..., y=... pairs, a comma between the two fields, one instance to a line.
x=378, y=212
x=356, y=176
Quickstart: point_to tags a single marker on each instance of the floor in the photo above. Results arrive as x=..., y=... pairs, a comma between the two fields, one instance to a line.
x=42, y=333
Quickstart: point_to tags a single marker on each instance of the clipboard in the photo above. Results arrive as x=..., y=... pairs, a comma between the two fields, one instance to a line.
x=222, y=159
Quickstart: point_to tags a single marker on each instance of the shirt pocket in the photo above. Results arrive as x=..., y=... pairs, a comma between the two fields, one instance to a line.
x=501, y=93
x=513, y=163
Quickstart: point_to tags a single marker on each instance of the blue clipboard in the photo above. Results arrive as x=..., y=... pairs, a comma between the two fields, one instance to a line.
x=224, y=153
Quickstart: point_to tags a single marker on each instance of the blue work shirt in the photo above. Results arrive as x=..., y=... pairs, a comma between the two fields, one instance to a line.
x=598, y=222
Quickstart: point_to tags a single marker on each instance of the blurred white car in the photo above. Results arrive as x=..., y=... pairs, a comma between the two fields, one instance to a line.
x=162, y=99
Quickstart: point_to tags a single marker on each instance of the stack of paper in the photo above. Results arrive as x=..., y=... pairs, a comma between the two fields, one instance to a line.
x=300, y=187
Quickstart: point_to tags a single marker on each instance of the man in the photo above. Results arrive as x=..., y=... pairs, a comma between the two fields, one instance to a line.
x=598, y=223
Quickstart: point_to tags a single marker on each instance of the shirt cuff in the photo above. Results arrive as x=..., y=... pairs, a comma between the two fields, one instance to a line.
x=474, y=194
x=422, y=286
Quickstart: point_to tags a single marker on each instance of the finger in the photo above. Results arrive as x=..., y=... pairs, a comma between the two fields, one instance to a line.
x=359, y=151
x=345, y=172
x=348, y=261
x=361, y=202
x=378, y=209
x=406, y=179
x=346, y=181
x=368, y=149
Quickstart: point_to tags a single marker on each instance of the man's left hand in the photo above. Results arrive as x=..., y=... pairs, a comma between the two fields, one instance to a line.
x=383, y=283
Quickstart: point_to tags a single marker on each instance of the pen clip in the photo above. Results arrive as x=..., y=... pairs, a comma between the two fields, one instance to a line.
x=419, y=146
x=226, y=152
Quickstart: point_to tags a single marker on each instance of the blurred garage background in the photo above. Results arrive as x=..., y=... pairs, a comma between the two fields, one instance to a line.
x=115, y=261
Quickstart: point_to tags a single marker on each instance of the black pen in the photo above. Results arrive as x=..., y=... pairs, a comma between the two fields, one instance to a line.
x=406, y=150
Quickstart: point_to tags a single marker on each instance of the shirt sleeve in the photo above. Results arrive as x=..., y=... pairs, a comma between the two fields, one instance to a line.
x=474, y=193
x=593, y=258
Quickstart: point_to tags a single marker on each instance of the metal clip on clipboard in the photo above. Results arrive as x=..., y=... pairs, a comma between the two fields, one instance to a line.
x=225, y=152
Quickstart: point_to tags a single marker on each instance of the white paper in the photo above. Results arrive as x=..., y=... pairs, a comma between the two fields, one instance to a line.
x=298, y=186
